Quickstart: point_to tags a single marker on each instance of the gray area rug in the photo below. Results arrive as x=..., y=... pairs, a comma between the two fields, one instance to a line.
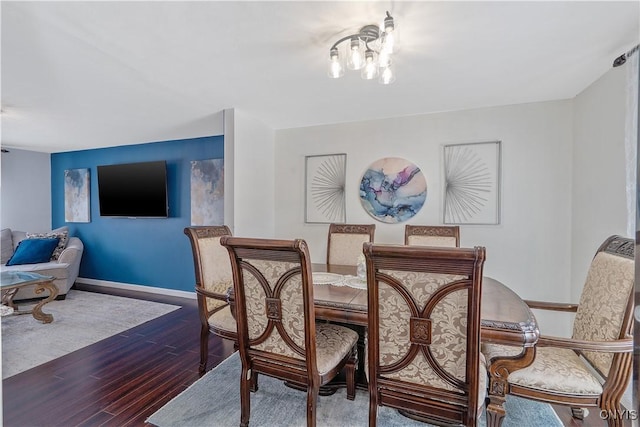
x=83, y=318
x=214, y=400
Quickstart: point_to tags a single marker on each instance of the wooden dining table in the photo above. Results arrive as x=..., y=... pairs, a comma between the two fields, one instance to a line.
x=505, y=319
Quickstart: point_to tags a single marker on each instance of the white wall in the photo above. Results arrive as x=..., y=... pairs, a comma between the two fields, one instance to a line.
x=229, y=168
x=529, y=251
x=599, y=198
x=599, y=175
x=254, y=171
x=26, y=191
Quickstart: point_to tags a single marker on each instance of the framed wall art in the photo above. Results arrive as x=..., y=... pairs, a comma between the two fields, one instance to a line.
x=393, y=190
x=325, y=177
x=207, y=192
x=472, y=183
x=77, y=207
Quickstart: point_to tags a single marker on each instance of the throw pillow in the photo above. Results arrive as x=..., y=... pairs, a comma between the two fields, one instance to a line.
x=61, y=233
x=33, y=251
x=6, y=245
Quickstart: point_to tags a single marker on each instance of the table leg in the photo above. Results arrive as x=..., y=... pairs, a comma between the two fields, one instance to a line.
x=499, y=369
x=37, y=310
x=495, y=411
x=7, y=298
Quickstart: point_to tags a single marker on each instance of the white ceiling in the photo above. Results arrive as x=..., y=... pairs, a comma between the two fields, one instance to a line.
x=89, y=74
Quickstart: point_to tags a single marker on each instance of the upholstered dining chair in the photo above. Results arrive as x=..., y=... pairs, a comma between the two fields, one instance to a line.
x=277, y=332
x=424, y=332
x=593, y=367
x=345, y=241
x=432, y=235
x=213, y=280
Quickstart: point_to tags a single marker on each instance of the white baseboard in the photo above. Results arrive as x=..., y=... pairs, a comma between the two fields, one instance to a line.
x=137, y=288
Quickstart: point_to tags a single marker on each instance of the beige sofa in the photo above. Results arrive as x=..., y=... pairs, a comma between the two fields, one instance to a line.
x=65, y=269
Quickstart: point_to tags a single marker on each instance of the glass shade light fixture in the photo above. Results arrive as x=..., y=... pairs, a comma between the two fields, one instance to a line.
x=387, y=75
x=355, y=57
x=370, y=69
x=370, y=50
x=389, y=34
x=336, y=68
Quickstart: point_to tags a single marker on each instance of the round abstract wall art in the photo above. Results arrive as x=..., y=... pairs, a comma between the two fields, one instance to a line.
x=393, y=190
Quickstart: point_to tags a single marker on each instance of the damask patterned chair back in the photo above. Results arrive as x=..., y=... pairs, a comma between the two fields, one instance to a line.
x=211, y=262
x=562, y=371
x=213, y=280
x=432, y=235
x=271, y=290
x=424, y=332
x=273, y=296
x=606, y=304
x=345, y=242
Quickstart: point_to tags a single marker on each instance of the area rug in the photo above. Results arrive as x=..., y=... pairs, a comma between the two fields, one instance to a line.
x=214, y=400
x=83, y=318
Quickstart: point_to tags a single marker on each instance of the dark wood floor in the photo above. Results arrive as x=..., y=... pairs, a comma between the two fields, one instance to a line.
x=124, y=379
x=119, y=381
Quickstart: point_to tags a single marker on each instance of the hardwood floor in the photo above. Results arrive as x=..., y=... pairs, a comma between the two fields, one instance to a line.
x=119, y=381
x=124, y=379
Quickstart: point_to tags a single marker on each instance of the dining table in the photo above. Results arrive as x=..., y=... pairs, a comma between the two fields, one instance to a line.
x=340, y=296
x=505, y=319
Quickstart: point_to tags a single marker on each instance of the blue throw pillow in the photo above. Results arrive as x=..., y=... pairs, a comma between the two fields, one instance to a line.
x=33, y=251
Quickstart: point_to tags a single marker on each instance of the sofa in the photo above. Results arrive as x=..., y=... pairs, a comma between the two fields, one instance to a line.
x=64, y=263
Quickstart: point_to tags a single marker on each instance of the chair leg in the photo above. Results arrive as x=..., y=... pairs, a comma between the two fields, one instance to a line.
x=350, y=368
x=577, y=413
x=254, y=382
x=204, y=349
x=245, y=398
x=373, y=408
x=312, y=403
x=495, y=410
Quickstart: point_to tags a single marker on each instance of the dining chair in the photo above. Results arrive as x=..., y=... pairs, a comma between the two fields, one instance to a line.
x=432, y=235
x=593, y=367
x=213, y=280
x=345, y=241
x=423, y=351
x=277, y=332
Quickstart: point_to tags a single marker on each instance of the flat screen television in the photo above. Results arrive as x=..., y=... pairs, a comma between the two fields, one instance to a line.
x=133, y=190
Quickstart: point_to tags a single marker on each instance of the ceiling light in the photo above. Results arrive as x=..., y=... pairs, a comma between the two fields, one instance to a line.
x=336, y=69
x=370, y=69
x=370, y=50
x=355, y=57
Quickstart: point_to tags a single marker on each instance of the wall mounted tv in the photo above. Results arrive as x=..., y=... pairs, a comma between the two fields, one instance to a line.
x=133, y=190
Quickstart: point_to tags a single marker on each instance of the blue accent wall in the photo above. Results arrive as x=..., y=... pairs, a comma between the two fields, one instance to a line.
x=143, y=251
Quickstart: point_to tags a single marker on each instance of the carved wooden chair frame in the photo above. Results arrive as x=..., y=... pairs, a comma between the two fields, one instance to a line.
x=195, y=234
x=302, y=373
x=619, y=372
x=334, y=228
x=425, y=401
x=432, y=230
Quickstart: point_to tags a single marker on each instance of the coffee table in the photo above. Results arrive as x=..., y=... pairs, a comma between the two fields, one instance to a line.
x=12, y=281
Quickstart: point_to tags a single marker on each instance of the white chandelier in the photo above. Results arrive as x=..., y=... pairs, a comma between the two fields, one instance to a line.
x=370, y=51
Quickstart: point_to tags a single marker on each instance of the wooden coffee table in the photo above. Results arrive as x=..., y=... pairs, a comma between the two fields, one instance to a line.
x=12, y=281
